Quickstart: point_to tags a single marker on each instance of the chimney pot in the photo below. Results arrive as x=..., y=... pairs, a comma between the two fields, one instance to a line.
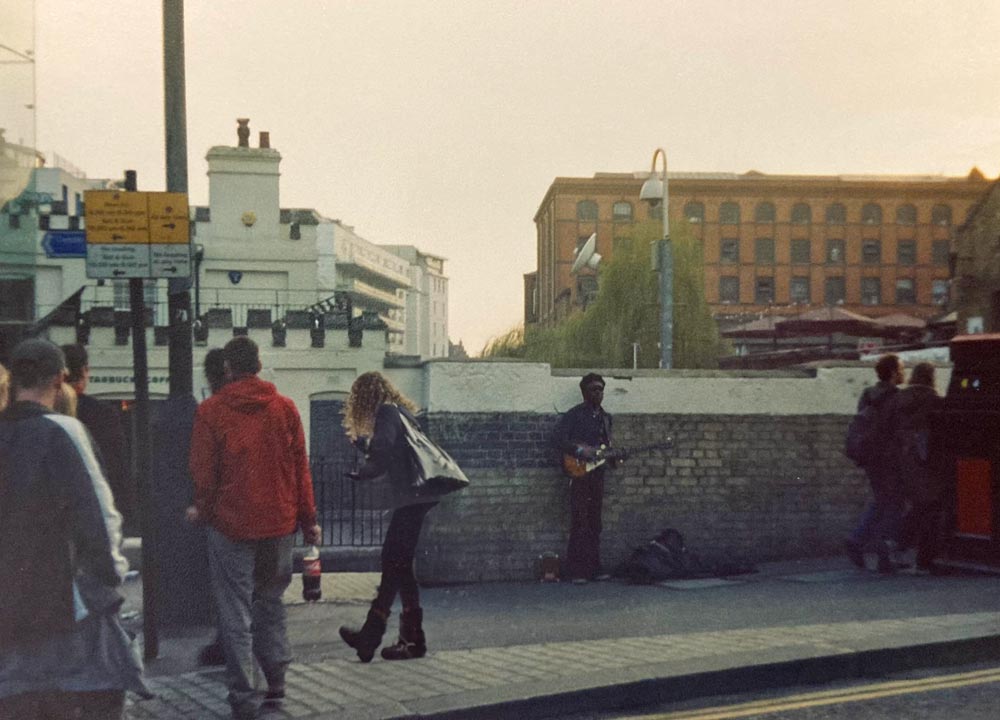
x=265, y=139
x=243, y=132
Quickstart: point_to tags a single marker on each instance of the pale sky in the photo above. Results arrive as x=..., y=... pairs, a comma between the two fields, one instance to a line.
x=442, y=124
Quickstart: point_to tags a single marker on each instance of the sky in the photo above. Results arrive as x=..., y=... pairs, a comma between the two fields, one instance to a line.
x=442, y=124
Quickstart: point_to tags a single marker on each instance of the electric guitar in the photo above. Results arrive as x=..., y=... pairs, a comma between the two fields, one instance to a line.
x=575, y=467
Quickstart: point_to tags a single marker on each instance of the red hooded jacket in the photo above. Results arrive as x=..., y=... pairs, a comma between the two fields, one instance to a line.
x=249, y=463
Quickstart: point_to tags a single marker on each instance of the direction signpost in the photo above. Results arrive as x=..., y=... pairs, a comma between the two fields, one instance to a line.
x=65, y=244
x=137, y=234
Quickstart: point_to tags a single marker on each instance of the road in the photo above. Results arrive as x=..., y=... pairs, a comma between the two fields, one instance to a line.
x=965, y=693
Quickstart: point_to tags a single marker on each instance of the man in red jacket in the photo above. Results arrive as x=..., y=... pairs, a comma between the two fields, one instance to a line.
x=253, y=490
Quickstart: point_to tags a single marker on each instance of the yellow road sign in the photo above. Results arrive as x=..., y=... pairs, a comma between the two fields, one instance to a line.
x=168, y=218
x=116, y=217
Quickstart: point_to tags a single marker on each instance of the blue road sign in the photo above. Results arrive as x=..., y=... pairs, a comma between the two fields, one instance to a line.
x=65, y=244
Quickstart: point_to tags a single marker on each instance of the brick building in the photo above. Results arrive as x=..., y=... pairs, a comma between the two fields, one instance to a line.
x=977, y=268
x=872, y=244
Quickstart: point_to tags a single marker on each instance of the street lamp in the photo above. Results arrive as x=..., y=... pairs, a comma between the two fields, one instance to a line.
x=654, y=191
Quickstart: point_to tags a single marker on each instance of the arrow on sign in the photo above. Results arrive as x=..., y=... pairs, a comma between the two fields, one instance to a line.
x=118, y=272
x=172, y=268
x=117, y=237
x=169, y=225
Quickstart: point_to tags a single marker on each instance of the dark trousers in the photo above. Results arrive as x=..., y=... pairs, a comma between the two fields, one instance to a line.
x=881, y=520
x=398, y=550
x=583, y=554
x=53, y=705
x=921, y=528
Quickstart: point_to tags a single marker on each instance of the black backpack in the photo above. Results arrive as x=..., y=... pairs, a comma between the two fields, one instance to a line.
x=862, y=436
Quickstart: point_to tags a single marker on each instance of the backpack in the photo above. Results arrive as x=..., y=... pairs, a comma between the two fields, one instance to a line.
x=864, y=435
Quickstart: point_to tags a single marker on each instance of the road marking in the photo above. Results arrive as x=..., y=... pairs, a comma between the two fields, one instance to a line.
x=832, y=697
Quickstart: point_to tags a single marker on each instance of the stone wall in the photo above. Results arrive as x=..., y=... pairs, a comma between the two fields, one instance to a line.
x=765, y=488
x=757, y=469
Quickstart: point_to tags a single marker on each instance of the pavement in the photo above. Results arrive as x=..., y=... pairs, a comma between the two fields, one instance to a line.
x=535, y=650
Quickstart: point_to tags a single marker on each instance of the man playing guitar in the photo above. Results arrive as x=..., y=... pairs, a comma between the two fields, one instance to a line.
x=581, y=433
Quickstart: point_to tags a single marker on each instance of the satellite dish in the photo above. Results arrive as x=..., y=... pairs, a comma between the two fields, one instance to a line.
x=586, y=256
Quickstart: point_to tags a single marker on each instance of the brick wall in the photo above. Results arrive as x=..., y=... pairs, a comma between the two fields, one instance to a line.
x=764, y=487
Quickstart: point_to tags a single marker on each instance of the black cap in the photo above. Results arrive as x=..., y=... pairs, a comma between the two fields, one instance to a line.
x=34, y=362
x=591, y=378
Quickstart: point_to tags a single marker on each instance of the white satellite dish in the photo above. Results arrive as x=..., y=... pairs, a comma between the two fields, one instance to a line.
x=586, y=256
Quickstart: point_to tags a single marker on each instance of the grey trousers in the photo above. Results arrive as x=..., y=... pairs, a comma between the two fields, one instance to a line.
x=248, y=579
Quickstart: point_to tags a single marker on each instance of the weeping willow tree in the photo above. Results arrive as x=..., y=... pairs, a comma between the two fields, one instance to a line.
x=627, y=311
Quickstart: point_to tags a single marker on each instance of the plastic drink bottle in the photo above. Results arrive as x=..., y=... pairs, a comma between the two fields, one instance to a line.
x=312, y=573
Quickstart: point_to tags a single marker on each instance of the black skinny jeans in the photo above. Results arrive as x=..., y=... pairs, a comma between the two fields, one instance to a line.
x=398, y=550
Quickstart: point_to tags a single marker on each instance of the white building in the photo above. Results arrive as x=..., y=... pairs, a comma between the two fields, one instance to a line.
x=254, y=261
x=426, y=303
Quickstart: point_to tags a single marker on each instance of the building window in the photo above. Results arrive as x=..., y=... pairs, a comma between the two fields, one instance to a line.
x=905, y=292
x=764, y=291
x=906, y=215
x=764, y=251
x=906, y=252
x=801, y=251
x=802, y=214
x=586, y=210
x=764, y=212
x=729, y=213
x=871, y=291
x=799, y=291
x=729, y=289
x=622, y=212
x=836, y=214
x=871, y=252
x=939, y=292
x=835, y=251
x=621, y=244
x=581, y=240
x=694, y=212
x=729, y=250
x=656, y=211
x=940, y=252
x=834, y=292
x=17, y=298
x=871, y=214
x=941, y=215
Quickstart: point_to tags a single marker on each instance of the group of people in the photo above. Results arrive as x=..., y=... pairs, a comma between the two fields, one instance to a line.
x=906, y=510
x=63, y=651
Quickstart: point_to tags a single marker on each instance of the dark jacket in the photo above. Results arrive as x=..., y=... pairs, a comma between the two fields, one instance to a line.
x=389, y=455
x=582, y=425
x=58, y=524
x=908, y=416
x=879, y=395
x=249, y=463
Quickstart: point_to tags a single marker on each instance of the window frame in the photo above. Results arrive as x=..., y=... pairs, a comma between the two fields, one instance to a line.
x=800, y=280
x=910, y=256
x=872, y=281
x=942, y=215
x=734, y=282
x=764, y=212
x=759, y=282
x=900, y=220
x=729, y=205
x=939, y=258
x=838, y=243
x=829, y=282
x=912, y=291
x=762, y=243
x=581, y=216
x=698, y=218
x=796, y=257
x=874, y=257
x=836, y=214
x=618, y=217
x=871, y=214
x=808, y=214
x=729, y=242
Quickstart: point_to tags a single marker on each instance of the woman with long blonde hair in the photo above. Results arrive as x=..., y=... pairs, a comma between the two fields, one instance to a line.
x=372, y=419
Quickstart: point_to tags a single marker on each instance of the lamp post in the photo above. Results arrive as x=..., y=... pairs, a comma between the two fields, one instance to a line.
x=654, y=191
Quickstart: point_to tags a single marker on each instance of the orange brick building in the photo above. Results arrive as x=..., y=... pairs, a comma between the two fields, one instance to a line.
x=872, y=244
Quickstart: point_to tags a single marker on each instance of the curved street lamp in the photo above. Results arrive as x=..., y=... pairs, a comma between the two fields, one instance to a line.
x=654, y=191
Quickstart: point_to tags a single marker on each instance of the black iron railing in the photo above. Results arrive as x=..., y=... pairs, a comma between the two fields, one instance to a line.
x=349, y=513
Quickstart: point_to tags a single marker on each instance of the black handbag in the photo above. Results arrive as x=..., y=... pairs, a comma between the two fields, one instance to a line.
x=434, y=470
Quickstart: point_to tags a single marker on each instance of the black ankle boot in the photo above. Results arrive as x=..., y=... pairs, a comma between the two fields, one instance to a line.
x=411, y=643
x=366, y=640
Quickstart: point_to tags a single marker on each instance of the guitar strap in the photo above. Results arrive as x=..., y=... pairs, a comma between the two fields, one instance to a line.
x=606, y=425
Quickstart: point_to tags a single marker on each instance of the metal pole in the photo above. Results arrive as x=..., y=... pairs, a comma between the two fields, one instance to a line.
x=180, y=347
x=666, y=276
x=150, y=576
